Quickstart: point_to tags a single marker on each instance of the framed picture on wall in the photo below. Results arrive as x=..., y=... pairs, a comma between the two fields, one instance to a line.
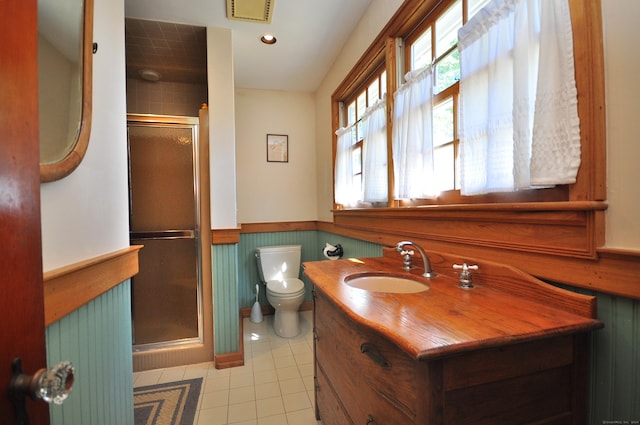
x=277, y=148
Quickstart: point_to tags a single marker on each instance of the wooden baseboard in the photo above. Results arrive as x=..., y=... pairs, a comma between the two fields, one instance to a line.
x=267, y=311
x=233, y=359
x=227, y=360
x=306, y=306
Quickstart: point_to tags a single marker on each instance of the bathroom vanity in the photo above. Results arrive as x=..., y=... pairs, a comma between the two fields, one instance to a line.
x=509, y=350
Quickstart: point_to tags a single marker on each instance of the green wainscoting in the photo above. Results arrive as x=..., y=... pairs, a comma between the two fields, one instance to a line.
x=353, y=248
x=96, y=338
x=614, y=392
x=226, y=311
x=614, y=371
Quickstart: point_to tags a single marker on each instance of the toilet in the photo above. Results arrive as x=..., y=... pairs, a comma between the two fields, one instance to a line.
x=278, y=267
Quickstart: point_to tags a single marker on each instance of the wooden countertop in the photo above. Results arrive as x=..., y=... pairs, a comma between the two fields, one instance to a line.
x=506, y=305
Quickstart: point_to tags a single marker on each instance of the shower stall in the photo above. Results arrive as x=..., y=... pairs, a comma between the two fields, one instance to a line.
x=166, y=217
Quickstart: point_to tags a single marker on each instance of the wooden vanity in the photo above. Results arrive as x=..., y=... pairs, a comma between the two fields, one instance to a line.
x=510, y=350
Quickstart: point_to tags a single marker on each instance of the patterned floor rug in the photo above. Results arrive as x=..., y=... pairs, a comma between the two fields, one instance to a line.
x=173, y=403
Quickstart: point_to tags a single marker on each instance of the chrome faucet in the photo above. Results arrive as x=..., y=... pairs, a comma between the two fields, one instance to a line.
x=428, y=271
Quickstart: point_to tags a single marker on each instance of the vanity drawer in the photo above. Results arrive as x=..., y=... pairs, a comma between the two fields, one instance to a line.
x=380, y=382
x=331, y=409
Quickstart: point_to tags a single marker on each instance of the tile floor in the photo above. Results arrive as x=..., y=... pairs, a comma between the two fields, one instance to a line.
x=274, y=387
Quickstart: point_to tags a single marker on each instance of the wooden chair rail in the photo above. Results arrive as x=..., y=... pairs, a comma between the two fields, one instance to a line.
x=68, y=288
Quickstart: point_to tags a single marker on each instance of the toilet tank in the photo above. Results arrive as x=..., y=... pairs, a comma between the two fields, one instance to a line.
x=278, y=262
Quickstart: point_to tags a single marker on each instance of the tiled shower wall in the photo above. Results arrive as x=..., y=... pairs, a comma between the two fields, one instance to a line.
x=165, y=98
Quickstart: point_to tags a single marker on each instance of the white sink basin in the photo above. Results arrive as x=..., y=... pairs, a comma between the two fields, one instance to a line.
x=385, y=283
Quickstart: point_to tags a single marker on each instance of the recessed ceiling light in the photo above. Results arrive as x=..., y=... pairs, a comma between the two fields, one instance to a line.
x=268, y=39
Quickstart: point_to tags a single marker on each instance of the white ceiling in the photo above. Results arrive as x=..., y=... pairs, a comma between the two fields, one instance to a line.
x=310, y=35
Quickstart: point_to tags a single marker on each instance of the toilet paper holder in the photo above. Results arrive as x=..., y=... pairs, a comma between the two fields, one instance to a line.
x=333, y=252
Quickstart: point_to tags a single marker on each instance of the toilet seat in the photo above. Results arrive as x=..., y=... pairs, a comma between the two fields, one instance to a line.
x=290, y=287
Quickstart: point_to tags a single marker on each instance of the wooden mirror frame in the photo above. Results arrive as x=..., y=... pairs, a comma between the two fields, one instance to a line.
x=62, y=168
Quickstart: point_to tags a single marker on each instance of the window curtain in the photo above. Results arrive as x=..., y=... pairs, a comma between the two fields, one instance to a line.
x=413, y=136
x=519, y=125
x=346, y=192
x=374, y=156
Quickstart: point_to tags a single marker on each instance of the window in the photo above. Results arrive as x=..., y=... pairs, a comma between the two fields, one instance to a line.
x=420, y=50
x=519, y=125
x=428, y=40
x=562, y=226
x=435, y=43
x=352, y=188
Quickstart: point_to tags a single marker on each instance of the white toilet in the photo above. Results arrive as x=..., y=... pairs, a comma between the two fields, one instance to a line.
x=278, y=267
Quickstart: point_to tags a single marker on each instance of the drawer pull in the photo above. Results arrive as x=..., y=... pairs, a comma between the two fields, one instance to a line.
x=374, y=354
x=371, y=421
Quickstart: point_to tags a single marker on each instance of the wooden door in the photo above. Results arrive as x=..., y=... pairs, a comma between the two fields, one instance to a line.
x=21, y=290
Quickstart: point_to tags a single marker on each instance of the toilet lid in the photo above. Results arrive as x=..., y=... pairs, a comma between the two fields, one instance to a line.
x=286, y=286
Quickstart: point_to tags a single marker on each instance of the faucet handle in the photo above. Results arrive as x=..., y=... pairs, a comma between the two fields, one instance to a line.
x=466, y=280
x=465, y=267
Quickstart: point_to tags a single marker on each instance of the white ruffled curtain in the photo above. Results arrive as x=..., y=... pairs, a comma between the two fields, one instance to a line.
x=519, y=125
x=374, y=156
x=346, y=192
x=413, y=136
x=374, y=159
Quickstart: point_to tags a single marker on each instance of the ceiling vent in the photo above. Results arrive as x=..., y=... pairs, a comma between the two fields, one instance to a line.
x=250, y=10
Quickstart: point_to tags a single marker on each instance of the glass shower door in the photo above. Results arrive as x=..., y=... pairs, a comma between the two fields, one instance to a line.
x=166, y=293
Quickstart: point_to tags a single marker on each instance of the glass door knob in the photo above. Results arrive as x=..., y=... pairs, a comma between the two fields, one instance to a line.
x=54, y=385
x=51, y=386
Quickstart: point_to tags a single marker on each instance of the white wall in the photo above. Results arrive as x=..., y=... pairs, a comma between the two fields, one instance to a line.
x=221, y=129
x=376, y=17
x=621, y=34
x=275, y=191
x=86, y=214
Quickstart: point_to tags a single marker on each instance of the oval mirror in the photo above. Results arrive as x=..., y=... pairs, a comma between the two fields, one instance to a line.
x=65, y=49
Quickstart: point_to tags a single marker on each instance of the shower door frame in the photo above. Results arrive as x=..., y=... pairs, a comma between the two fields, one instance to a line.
x=200, y=348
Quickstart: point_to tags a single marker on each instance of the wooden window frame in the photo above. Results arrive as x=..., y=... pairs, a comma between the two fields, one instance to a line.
x=566, y=222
